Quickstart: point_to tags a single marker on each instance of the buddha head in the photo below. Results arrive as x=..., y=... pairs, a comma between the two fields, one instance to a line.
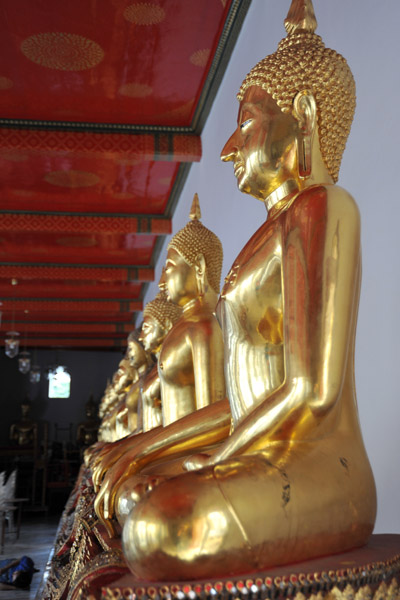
x=159, y=316
x=299, y=98
x=194, y=260
x=135, y=352
x=122, y=375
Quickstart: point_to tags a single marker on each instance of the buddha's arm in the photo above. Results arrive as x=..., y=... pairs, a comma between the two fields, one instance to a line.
x=208, y=365
x=151, y=402
x=321, y=269
x=109, y=455
x=193, y=432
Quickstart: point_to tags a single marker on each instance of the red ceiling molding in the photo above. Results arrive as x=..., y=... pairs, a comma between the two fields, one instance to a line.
x=61, y=273
x=84, y=306
x=20, y=317
x=70, y=290
x=40, y=328
x=116, y=344
x=168, y=146
x=100, y=335
x=21, y=221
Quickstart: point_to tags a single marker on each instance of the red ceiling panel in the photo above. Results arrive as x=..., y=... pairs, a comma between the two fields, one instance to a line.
x=101, y=109
x=70, y=289
x=49, y=182
x=17, y=315
x=80, y=273
x=79, y=248
x=107, y=62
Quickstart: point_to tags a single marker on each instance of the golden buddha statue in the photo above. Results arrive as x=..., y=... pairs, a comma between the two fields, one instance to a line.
x=159, y=316
x=86, y=432
x=292, y=481
x=140, y=361
x=115, y=395
x=190, y=366
x=24, y=432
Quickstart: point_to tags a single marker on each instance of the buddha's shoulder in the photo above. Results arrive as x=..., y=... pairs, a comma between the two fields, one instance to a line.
x=325, y=200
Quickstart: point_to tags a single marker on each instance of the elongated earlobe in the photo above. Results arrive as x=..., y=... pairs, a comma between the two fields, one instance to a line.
x=305, y=111
x=200, y=268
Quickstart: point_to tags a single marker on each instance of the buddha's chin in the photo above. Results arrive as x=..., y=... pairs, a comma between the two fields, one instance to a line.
x=245, y=187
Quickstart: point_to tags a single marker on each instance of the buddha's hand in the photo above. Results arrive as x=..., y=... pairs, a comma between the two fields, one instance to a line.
x=99, y=469
x=90, y=453
x=104, y=462
x=197, y=461
x=104, y=504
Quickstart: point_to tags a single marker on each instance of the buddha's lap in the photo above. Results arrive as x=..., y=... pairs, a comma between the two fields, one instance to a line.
x=313, y=501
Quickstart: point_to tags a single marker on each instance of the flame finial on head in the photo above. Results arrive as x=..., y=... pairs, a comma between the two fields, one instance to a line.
x=195, y=212
x=301, y=17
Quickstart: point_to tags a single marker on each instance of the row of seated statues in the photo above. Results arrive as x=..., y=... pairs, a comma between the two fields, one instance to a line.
x=230, y=439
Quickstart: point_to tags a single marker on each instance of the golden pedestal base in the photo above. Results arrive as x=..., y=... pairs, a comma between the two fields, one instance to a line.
x=368, y=573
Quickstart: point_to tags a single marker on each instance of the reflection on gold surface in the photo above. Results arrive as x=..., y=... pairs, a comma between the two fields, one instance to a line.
x=5, y=83
x=72, y=179
x=62, y=51
x=200, y=57
x=144, y=13
x=136, y=90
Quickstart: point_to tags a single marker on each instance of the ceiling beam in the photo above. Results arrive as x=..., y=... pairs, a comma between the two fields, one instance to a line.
x=88, y=224
x=82, y=305
x=53, y=272
x=156, y=145
x=117, y=344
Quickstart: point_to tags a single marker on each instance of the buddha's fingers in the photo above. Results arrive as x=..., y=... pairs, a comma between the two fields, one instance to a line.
x=197, y=461
x=96, y=481
x=110, y=529
x=100, y=505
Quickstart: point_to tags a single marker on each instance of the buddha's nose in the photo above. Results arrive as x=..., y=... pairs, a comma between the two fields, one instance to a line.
x=229, y=150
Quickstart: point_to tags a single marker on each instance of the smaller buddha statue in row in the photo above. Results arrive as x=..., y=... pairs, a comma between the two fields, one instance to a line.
x=121, y=382
x=159, y=316
x=195, y=412
x=127, y=418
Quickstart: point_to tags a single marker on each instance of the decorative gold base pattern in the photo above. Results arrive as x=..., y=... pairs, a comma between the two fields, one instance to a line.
x=375, y=580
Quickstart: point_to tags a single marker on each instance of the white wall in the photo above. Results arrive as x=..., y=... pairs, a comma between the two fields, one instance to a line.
x=366, y=33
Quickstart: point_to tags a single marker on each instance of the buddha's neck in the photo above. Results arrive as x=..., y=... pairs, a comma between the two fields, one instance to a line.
x=284, y=193
x=142, y=369
x=208, y=300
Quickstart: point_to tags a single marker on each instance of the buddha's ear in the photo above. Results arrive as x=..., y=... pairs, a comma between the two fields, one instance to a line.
x=305, y=112
x=168, y=325
x=200, y=269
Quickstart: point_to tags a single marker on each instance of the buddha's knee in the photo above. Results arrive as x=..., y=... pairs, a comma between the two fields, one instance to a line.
x=131, y=492
x=184, y=527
